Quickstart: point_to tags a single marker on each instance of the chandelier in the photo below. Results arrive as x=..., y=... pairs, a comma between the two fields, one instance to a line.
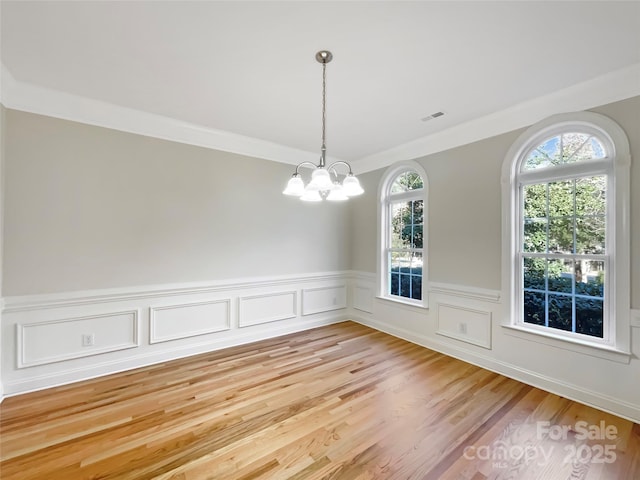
x=325, y=182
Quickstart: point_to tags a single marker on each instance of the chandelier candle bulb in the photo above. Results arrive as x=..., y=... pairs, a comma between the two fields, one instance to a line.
x=322, y=186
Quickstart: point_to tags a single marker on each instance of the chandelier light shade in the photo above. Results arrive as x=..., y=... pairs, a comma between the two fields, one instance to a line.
x=324, y=183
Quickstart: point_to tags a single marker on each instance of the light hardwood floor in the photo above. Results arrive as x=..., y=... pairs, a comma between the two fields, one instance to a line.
x=338, y=402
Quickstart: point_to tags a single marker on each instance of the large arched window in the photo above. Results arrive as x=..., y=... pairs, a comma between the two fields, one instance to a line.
x=566, y=188
x=403, y=234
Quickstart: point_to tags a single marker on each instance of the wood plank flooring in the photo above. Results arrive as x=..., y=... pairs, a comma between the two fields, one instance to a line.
x=338, y=402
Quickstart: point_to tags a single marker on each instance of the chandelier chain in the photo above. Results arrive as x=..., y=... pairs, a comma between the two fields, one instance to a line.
x=324, y=102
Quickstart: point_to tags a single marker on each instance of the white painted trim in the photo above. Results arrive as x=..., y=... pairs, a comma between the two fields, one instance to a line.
x=573, y=392
x=44, y=101
x=86, y=297
x=337, y=306
x=22, y=327
x=573, y=345
x=611, y=87
x=153, y=338
x=635, y=318
x=461, y=337
x=294, y=308
x=368, y=292
x=471, y=293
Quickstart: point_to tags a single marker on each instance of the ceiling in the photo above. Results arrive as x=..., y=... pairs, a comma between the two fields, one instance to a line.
x=244, y=73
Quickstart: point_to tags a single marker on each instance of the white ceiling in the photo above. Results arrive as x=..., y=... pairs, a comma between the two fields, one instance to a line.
x=247, y=69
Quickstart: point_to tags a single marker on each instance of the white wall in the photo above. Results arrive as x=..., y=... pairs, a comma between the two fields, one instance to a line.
x=89, y=207
x=465, y=247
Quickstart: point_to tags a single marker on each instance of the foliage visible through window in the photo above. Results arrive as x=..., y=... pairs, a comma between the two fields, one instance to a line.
x=564, y=235
x=405, y=236
x=563, y=149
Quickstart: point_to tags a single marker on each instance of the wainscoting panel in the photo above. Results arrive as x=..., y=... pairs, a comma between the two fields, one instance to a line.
x=363, y=298
x=268, y=307
x=71, y=336
x=465, y=324
x=174, y=322
x=58, y=340
x=323, y=299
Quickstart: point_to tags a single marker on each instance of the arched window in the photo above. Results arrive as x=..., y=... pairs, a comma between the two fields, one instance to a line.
x=403, y=234
x=566, y=188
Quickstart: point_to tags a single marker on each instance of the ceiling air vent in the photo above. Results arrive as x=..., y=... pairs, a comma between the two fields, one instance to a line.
x=432, y=116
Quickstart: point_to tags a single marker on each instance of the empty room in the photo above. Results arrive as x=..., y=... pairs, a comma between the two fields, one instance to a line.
x=319, y=240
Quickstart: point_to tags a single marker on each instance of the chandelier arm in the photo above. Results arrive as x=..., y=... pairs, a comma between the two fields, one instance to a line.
x=340, y=162
x=304, y=163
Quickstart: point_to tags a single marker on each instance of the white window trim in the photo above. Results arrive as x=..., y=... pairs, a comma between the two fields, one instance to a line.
x=618, y=347
x=383, y=221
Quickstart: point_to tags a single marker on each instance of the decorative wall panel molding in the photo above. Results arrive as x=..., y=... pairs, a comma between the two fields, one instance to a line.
x=173, y=322
x=464, y=324
x=91, y=297
x=363, y=297
x=164, y=322
x=471, y=293
x=58, y=340
x=268, y=307
x=324, y=299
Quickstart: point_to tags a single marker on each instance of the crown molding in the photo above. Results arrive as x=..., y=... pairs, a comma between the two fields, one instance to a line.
x=608, y=88
x=611, y=87
x=30, y=98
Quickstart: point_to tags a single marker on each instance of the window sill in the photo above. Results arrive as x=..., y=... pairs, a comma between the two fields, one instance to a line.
x=402, y=303
x=601, y=351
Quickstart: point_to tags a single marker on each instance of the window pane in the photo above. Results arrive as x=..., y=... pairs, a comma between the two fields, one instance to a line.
x=399, y=217
x=416, y=287
x=406, y=181
x=560, y=275
x=574, y=147
x=589, y=315
x=394, y=284
x=560, y=312
x=566, y=148
x=534, y=308
x=561, y=235
x=416, y=264
x=545, y=155
x=561, y=198
x=400, y=262
x=535, y=200
x=405, y=286
x=590, y=278
x=534, y=273
x=417, y=236
x=591, y=196
x=418, y=211
x=590, y=235
x=589, y=147
x=535, y=235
